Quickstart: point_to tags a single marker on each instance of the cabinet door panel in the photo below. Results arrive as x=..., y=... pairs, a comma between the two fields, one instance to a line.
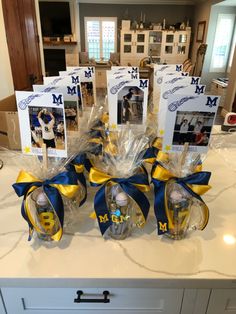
x=49, y=300
x=195, y=301
x=222, y=301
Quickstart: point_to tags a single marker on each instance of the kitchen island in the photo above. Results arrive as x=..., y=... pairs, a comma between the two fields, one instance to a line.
x=143, y=273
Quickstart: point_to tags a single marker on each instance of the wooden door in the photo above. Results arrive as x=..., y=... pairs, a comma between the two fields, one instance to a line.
x=23, y=42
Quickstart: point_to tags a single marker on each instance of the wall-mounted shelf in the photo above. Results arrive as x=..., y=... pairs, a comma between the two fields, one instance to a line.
x=59, y=43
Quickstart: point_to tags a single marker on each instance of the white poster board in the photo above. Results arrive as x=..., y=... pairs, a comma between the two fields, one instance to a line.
x=175, y=88
x=88, y=89
x=72, y=101
x=127, y=100
x=159, y=72
x=189, y=119
x=42, y=120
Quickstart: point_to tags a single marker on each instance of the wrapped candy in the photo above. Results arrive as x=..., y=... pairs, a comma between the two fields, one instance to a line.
x=120, y=203
x=179, y=183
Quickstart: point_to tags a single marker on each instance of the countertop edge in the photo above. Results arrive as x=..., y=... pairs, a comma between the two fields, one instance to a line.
x=167, y=283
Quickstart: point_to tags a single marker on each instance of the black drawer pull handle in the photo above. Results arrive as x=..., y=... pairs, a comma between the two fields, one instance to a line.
x=104, y=300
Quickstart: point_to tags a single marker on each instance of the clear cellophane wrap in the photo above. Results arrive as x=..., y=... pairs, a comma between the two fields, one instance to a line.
x=120, y=162
x=184, y=211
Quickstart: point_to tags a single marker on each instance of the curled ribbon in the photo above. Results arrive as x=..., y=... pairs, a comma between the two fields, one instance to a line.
x=195, y=184
x=64, y=183
x=78, y=164
x=96, y=142
x=134, y=186
x=150, y=154
x=100, y=122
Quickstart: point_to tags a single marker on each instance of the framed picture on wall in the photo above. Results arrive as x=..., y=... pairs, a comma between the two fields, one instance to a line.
x=200, y=31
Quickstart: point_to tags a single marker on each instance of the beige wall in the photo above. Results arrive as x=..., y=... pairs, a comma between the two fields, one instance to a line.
x=6, y=85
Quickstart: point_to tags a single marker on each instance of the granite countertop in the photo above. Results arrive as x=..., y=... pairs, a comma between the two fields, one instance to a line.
x=83, y=254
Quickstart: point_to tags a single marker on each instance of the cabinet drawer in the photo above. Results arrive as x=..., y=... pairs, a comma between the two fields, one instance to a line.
x=48, y=300
x=222, y=301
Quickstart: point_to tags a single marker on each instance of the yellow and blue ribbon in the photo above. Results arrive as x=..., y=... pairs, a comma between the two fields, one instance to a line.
x=134, y=186
x=78, y=164
x=195, y=184
x=151, y=152
x=98, y=123
x=95, y=142
x=64, y=183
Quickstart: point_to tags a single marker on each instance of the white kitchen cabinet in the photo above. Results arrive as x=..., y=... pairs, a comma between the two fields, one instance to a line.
x=121, y=301
x=164, y=46
x=154, y=45
x=219, y=88
x=222, y=301
x=133, y=46
x=127, y=300
x=175, y=46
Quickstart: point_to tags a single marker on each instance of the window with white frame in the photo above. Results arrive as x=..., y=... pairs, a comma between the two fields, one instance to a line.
x=233, y=47
x=222, y=42
x=100, y=37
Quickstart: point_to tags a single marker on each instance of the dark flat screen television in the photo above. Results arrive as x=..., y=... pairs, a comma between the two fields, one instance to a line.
x=55, y=19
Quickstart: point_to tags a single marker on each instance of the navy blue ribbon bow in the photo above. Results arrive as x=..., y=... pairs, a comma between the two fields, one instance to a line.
x=77, y=165
x=195, y=184
x=64, y=183
x=133, y=186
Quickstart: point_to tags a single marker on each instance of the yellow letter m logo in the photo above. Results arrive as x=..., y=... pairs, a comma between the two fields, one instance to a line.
x=162, y=226
x=103, y=219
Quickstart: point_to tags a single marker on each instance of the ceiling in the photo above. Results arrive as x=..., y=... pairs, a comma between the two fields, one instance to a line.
x=166, y=2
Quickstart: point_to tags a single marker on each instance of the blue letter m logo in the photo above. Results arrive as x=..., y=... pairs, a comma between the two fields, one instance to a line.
x=57, y=99
x=134, y=76
x=178, y=67
x=199, y=89
x=71, y=91
x=211, y=101
x=88, y=74
x=143, y=84
x=91, y=69
x=195, y=81
x=75, y=79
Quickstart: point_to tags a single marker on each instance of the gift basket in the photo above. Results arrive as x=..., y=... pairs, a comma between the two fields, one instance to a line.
x=120, y=203
x=53, y=186
x=179, y=182
x=44, y=185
